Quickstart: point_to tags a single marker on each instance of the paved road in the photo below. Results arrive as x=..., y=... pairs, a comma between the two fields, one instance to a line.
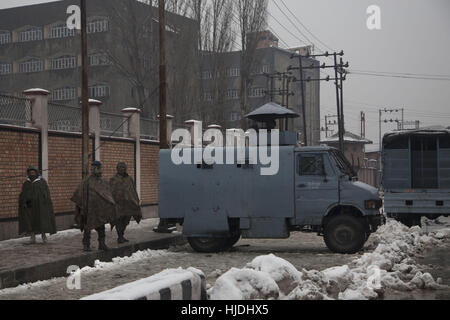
x=302, y=250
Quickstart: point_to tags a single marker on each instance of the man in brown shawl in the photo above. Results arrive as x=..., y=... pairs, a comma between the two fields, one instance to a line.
x=127, y=200
x=95, y=207
x=36, y=214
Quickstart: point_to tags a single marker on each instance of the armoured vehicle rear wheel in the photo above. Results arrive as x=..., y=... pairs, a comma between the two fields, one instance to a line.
x=231, y=241
x=208, y=245
x=345, y=234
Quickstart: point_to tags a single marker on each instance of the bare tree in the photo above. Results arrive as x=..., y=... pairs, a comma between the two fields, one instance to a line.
x=134, y=57
x=252, y=20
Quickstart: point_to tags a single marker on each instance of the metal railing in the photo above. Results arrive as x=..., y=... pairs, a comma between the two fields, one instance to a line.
x=112, y=124
x=64, y=118
x=149, y=129
x=15, y=111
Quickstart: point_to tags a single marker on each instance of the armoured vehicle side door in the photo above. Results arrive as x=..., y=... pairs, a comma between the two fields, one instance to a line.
x=316, y=187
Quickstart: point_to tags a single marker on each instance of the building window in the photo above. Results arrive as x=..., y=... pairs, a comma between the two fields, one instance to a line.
x=5, y=37
x=262, y=69
x=233, y=72
x=99, y=91
x=97, y=25
x=207, y=96
x=64, y=62
x=206, y=74
x=232, y=94
x=257, y=92
x=61, y=31
x=31, y=34
x=32, y=65
x=235, y=116
x=66, y=93
x=99, y=59
x=5, y=68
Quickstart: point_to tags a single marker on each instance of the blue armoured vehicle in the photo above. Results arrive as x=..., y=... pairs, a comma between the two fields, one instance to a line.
x=416, y=174
x=315, y=190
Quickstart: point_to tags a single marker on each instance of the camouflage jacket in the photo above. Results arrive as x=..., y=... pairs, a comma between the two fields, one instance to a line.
x=95, y=204
x=126, y=197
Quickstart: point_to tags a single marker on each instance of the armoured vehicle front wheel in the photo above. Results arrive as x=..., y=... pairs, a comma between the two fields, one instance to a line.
x=345, y=234
x=208, y=245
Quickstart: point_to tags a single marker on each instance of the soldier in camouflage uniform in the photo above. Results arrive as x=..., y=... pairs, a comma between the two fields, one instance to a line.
x=95, y=207
x=127, y=200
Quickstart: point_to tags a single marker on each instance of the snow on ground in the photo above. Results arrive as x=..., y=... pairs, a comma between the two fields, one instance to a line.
x=389, y=265
x=117, y=263
x=61, y=235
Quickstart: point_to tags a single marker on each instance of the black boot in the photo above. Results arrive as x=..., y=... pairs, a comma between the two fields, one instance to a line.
x=120, y=238
x=87, y=241
x=102, y=245
x=101, y=239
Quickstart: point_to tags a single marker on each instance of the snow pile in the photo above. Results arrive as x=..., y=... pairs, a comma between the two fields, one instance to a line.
x=284, y=273
x=389, y=265
x=149, y=286
x=244, y=284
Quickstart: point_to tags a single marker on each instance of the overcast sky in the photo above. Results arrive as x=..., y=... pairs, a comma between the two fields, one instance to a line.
x=414, y=39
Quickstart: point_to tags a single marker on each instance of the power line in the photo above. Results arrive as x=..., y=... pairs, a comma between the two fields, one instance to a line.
x=285, y=28
x=397, y=76
x=299, y=21
x=405, y=73
x=295, y=26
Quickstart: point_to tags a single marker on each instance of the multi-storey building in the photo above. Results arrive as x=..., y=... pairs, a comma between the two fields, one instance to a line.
x=222, y=86
x=37, y=49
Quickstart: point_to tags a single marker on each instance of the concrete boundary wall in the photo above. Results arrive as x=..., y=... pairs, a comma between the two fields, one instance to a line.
x=57, y=154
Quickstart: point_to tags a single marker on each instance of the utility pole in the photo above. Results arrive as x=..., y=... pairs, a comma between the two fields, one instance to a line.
x=342, y=73
x=391, y=120
x=339, y=94
x=329, y=123
x=84, y=95
x=363, y=124
x=341, y=129
x=162, y=78
x=163, y=226
x=302, y=93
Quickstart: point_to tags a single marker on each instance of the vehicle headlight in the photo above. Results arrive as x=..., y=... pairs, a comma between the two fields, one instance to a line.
x=373, y=204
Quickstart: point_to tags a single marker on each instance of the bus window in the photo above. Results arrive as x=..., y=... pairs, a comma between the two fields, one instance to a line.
x=397, y=142
x=424, y=162
x=444, y=142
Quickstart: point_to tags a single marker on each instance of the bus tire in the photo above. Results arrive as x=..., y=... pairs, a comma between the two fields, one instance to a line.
x=345, y=234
